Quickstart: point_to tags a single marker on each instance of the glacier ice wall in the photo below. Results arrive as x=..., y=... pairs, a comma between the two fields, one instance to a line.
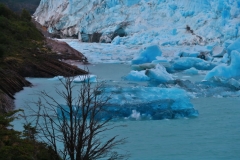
x=144, y=21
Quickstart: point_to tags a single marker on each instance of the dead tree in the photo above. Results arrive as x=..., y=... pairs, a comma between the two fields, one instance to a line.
x=77, y=124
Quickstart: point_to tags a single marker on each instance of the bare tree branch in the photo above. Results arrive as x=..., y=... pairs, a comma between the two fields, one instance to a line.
x=78, y=124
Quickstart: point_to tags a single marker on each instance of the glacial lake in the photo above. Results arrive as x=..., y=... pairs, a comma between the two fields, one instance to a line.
x=214, y=135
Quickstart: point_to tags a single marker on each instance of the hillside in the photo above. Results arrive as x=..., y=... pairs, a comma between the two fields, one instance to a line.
x=25, y=52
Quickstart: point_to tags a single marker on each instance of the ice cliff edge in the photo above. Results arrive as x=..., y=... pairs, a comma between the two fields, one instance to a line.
x=143, y=21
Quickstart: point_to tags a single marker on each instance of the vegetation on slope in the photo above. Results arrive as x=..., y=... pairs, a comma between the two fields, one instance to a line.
x=16, y=145
x=24, y=53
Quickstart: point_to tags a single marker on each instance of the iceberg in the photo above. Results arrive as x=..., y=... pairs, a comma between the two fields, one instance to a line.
x=140, y=103
x=159, y=74
x=148, y=55
x=137, y=76
x=189, y=62
x=191, y=71
x=226, y=71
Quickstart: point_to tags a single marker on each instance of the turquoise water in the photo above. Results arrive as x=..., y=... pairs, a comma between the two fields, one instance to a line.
x=214, y=135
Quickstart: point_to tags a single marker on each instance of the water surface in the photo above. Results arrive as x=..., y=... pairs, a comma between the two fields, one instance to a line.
x=214, y=135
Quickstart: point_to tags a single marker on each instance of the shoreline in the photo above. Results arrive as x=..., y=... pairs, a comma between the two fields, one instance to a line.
x=44, y=62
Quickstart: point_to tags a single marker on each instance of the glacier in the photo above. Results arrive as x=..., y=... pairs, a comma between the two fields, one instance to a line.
x=164, y=22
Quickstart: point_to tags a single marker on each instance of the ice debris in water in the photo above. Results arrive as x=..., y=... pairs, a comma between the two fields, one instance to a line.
x=85, y=78
x=191, y=71
x=226, y=71
x=141, y=103
x=137, y=76
x=159, y=74
x=189, y=62
x=215, y=87
x=154, y=102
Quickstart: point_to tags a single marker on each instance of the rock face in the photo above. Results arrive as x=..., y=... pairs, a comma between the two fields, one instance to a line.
x=143, y=21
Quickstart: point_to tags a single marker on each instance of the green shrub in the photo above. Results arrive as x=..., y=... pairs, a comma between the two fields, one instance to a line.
x=25, y=15
x=5, y=12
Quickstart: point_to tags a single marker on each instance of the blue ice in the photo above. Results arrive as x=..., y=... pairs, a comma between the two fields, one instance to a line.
x=227, y=71
x=189, y=62
x=143, y=103
x=159, y=74
x=137, y=76
x=131, y=2
x=234, y=46
x=148, y=55
x=191, y=71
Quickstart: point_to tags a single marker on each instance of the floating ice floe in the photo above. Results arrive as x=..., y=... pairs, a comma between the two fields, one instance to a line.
x=191, y=71
x=227, y=71
x=161, y=60
x=137, y=76
x=189, y=62
x=139, y=103
x=159, y=74
x=85, y=78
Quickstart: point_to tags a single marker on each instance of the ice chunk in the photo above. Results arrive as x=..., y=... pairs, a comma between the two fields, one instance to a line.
x=148, y=55
x=116, y=40
x=137, y=76
x=191, y=71
x=189, y=62
x=160, y=60
x=234, y=46
x=227, y=43
x=154, y=102
x=159, y=74
x=218, y=51
x=85, y=78
x=143, y=103
x=136, y=115
x=225, y=71
x=225, y=58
